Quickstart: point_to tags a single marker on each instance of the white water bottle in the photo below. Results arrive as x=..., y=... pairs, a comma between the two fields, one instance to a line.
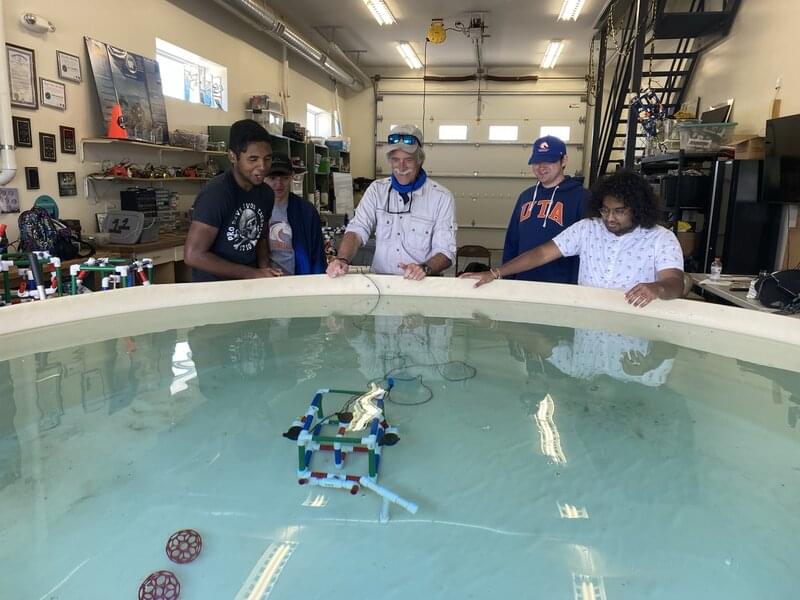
x=716, y=269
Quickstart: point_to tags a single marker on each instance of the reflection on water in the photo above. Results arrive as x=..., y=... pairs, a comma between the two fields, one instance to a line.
x=262, y=578
x=568, y=511
x=785, y=384
x=550, y=441
x=513, y=437
x=9, y=440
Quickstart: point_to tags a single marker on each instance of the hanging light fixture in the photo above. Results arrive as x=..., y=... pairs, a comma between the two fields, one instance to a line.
x=570, y=10
x=409, y=55
x=381, y=12
x=552, y=53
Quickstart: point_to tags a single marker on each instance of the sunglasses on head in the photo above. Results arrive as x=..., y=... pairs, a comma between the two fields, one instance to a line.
x=403, y=138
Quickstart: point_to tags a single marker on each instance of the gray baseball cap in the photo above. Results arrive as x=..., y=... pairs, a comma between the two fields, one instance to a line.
x=404, y=137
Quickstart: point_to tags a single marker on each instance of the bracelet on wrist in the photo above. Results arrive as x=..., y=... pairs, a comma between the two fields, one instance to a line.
x=496, y=273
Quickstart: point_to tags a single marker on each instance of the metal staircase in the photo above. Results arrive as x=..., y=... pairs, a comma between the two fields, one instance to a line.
x=645, y=44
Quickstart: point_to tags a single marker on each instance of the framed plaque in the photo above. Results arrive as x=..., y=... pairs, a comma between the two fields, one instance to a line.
x=67, y=135
x=23, y=132
x=67, y=184
x=47, y=147
x=32, y=178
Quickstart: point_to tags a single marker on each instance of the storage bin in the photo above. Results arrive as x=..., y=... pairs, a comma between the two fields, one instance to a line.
x=704, y=138
x=270, y=120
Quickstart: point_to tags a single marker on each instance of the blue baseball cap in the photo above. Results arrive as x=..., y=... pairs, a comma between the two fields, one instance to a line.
x=548, y=149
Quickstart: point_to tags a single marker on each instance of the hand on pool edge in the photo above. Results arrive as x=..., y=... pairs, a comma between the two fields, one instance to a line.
x=482, y=277
x=643, y=294
x=412, y=271
x=337, y=267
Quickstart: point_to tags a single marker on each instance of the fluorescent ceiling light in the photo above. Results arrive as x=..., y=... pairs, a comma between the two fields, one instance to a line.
x=570, y=10
x=552, y=53
x=381, y=12
x=409, y=55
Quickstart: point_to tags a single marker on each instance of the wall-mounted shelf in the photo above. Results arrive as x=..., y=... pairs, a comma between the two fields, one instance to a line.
x=145, y=179
x=135, y=144
x=92, y=179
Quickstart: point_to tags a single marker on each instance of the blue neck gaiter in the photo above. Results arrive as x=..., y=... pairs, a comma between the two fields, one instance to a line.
x=404, y=190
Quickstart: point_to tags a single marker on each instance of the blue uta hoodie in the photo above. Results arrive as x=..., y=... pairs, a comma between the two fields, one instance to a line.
x=541, y=214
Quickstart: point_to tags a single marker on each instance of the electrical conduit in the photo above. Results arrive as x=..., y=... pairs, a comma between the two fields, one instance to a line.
x=8, y=157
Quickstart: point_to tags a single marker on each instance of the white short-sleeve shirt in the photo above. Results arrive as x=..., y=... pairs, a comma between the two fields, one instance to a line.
x=594, y=353
x=619, y=262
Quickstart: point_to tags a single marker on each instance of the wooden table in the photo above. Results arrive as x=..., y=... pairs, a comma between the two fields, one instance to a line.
x=166, y=254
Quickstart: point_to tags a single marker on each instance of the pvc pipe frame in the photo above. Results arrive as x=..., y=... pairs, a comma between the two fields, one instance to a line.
x=338, y=482
x=8, y=158
x=308, y=442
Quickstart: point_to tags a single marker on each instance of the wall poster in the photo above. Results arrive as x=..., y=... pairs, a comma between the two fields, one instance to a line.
x=133, y=82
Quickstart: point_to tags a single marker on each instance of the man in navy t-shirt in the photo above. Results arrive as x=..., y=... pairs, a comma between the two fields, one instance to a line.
x=545, y=210
x=228, y=235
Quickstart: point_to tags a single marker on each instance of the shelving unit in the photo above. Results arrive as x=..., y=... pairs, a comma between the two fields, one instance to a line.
x=145, y=179
x=680, y=192
x=293, y=149
x=99, y=150
x=320, y=166
x=134, y=144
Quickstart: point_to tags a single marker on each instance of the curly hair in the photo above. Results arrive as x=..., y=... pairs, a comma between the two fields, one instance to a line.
x=633, y=191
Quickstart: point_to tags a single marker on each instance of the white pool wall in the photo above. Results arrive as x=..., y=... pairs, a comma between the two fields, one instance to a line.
x=729, y=331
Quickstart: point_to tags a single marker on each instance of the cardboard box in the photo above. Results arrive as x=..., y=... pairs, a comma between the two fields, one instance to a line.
x=750, y=147
x=688, y=241
x=792, y=258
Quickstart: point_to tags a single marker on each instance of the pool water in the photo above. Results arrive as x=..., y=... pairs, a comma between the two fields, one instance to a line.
x=546, y=463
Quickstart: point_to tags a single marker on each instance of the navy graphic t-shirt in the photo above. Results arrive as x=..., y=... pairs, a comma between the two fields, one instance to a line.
x=240, y=217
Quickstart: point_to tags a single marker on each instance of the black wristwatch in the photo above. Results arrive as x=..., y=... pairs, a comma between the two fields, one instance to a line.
x=426, y=268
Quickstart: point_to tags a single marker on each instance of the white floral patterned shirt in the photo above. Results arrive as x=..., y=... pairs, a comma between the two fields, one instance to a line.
x=619, y=262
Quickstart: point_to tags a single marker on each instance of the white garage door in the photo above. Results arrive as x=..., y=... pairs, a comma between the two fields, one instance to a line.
x=485, y=175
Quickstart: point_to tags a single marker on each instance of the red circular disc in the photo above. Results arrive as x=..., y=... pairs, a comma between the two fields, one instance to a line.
x=161, y=585
x=184, y=546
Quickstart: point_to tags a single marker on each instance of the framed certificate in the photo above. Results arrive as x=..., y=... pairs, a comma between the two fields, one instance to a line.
x=69, y=66
x=22, y=76
x=53, y=94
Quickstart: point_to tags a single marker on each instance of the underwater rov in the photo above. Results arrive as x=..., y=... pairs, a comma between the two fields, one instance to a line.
x=361, y=426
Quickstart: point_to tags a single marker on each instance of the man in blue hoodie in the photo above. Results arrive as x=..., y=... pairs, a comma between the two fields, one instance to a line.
x=295, y=231
x=545, y=210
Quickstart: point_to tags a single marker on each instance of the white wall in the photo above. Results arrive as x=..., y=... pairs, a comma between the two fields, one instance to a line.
x=358, y=115
x=252, y=59
x=747, y=63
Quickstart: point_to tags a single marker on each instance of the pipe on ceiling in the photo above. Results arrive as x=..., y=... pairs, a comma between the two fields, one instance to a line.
x=258, y=15
x=577, y=93
x=488, y=77
x=444, y=79
x=8, y=157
